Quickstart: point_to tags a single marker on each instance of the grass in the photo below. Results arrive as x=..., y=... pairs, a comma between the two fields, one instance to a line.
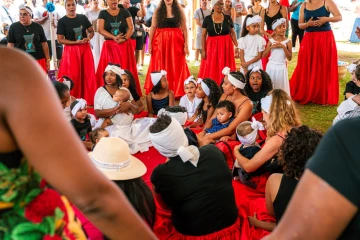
x=315, y=116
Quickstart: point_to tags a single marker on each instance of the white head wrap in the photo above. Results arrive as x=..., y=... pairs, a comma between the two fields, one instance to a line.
x=114, y=69
x=251, y=137
x=351, y=68
x=80, y=105
x=252, y=20
x=278, y=22
x=255, y=69
x=204, y=87
x=266, y=103
x=181, y=117
x=26, y=8
x=234, y=81
x=64, y=81
x=170, y=146
x=189, y=80
x=155, y=77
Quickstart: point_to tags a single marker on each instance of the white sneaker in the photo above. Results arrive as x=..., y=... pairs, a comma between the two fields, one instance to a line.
x=294, y=50
x=197, y=63
x=139, y=67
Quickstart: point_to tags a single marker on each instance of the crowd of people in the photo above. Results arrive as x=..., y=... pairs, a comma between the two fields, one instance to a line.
x=230, y=160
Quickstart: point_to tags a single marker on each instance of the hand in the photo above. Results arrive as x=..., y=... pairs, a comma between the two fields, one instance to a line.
x=276, y=45
x=224, y=139
x=79, y=41
x=186, y=50
x=311, y=23
x=237, y=52
x=53, y=23
x=85, y=40
x=124, y=107
x=321, y=21
x=245, y=64
x=117, y=39
x=203, y=54
x=253, y=220
x=237, y=147
x=205, y=140
x=357, y=32
x=47, y=65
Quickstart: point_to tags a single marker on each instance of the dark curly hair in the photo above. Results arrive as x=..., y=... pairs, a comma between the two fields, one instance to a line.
x=266, y=82
x=176, y=11
x=161, y=123
x=175, y=109
x=214, y=95
x=298, y=147
x=239, y=76
x=118, y=78
x=60, y=88
x=228, y=105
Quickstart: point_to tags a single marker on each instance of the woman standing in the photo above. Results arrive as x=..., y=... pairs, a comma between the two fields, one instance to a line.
x=29, y=37
x=116, y=25
x=256, y=7
x=229, y=10
x=75, y=31
x=218, y=39
x=315, y=78
x=97, y=41
x=168, y=46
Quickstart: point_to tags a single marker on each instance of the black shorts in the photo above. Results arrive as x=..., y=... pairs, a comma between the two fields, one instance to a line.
x=140, y=42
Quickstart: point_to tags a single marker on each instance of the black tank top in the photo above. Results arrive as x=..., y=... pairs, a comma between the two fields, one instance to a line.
x=286, y=190
x=269, y=20
x=170, y=23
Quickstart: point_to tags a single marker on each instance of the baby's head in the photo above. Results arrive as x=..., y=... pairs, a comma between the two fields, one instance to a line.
x=121, y=95
x=224, y=111
x=247, y=132
x=97, y=134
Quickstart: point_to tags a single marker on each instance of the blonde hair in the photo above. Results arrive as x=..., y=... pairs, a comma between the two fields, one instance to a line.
x=283, y=113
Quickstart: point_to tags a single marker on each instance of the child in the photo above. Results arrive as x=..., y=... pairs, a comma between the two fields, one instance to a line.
x=5, y=30
x=353, y=86
x=251, y=44
x=81, y=120
x=160, y=95
x=209, y=93
x=225, y=112
x=128, y=81
x=281, y=49
x=247, y=133
x=96, y=135
x=189, y=100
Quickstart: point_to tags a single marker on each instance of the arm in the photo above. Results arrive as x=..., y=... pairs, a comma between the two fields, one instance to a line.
x=149, y=105
x=61, y=39
x=45, y=48
x=266, y=153
x=10, y=44
x=90, y=33
x=185, y=33
x=262, y=23
x=142, y=11
x=100, y=200
x=288, y=50
x=271, y=191
x=197, y=22
x=267, y=49
x=293, y=6
x=268, y=226
x=152, y=30
x=233, y=14
x=347, y=95
x=284, y=14
x=203, y=43
x=140, y=105
x=171, y=98
x=130, y=31
x=233, y=37
x=40, y=20
x=333, y=9
x=311, y=206
x=105, y=113
x=255, y=59
x=124, y=107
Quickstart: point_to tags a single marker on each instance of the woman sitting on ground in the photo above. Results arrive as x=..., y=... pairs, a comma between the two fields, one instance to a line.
x=298, y=147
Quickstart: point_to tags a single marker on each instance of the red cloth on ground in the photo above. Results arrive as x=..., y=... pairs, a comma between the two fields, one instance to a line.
x=265, y=60
x=141, y=114
x=315, y=78
x=119, y=53
x=219, y=54
x=42, y=63
x=168, y=54
x=228, y=149
x=77, y=63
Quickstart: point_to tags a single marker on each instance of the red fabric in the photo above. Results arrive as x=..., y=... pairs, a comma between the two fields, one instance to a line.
x=265, y=60
x=141, y=114
x=42, y=63
x=133, y=43
x=315, y=78
x=91, y=231
x=286, y=4
x=229, y=153
x=123, y=54
x=168, y=54
x=163, y=226
x=77, y=63
x=219, y=54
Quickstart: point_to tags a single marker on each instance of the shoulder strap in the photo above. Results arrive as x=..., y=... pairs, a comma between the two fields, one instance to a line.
x=8, y=14
x=242, y=104
x=202, y=13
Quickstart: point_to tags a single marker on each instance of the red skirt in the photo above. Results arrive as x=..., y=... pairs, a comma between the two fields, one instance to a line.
x=219, y=54
x=315, y=78
x=265, y=60
x=168, y=54
x=42, y=63
x=123, y=54
x=77, y=63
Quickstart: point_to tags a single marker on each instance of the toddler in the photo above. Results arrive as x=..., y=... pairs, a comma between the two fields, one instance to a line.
x=96, y=135
x=353, y=86
x=189, y=100
x=225, y=112
x=80, y=119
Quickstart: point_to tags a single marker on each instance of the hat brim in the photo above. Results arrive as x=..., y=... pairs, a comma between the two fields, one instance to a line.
x=136, y=169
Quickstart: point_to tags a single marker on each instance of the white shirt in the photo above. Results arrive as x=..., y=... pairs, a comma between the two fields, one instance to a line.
x=4, y=16
x=190, y=106
x=239, y=7
x=60, y=9
x=48, y=29
x=252, y=45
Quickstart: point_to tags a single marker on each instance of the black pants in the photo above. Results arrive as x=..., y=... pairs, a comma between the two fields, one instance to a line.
x=296, y=31
x=59, y=49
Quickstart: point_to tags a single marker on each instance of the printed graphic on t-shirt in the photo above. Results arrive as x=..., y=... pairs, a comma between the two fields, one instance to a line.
x=78, y=33
x=83, y=133
x=115, y=28
x=29, y=43
x=238, y=7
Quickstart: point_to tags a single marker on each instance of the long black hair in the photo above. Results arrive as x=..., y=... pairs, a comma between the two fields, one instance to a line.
x=132, y=86
x=60, y=88
x=266, y=82
x=239, y=76
x=176, y=11
x=118, y=78
x=214, y=95
x=244, y=31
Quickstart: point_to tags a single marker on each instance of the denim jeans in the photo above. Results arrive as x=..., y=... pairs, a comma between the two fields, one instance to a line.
x=237, y=29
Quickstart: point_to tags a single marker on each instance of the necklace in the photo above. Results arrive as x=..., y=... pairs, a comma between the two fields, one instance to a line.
x=27, y=29
x=220, y=26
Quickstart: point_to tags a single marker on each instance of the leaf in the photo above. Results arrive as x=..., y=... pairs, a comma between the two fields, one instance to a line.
x=48, y=225
x=59, y=214
x=27, y=231
x=32, y=194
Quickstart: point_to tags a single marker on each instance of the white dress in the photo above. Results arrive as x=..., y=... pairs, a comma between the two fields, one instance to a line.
x=252, y=45
x=97, y=41
x=190, y=106
x=277, y=68
x=134, y=132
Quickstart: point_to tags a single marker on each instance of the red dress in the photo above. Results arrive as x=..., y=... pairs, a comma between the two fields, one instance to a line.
x=168, y=54
x=219, y=49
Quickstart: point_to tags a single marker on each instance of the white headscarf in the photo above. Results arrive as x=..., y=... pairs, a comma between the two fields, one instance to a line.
x=252, y=20
x=26, y=8
x=172, y=142
x=204, y=87
x=278, y=22
x=255, y=69
x=266, y=103
x=351, y=68
x=155, y=77
x=181, y=117
x=80, y=105
x=251, y=137
x=190, y=79
x=114, y=69
x=237, y=83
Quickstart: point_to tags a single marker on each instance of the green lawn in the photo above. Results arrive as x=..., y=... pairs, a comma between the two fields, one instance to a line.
x=315, y=116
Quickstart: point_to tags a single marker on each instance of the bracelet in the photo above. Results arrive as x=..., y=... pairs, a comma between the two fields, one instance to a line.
x=48, y=60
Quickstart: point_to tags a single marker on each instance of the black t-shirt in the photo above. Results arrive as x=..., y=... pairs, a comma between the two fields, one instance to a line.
x=73, y=28
x=336, y=161
x=115, y=24
x=82, y=128
x=201, y=198
x=256, y=97
x=351, y=87
x=28, y=38
x=133, y=12
x=222, y=29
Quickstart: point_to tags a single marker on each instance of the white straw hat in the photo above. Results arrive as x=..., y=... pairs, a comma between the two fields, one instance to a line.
x=112, y=157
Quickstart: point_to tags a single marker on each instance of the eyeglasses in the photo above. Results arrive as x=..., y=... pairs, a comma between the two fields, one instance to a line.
x=23, y=14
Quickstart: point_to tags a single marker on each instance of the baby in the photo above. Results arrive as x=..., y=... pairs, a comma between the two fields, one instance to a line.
x=96, y=135
x=121, y=95
x=225, y=112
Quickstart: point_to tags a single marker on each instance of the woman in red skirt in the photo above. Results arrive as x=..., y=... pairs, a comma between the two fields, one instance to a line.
x=116, y=25
x=218, y=39
x=315, y=78
x=168, y=35
x=77, y=61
